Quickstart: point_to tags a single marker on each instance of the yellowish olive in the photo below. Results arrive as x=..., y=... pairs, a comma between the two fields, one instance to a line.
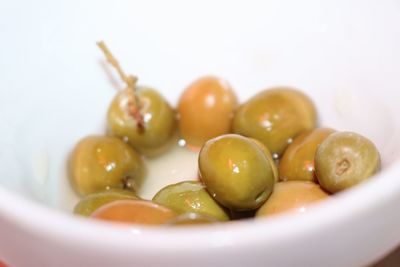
x=134, y=212
x=297, y=162
x=345, y=159
x=92, y=202
x=98, y=163
x=159, y=130
x=187, y=219
x=205, y=110
x=236, y=172
x=269, y=157
x=190, y=197
x=294, y=196
x=275, y=117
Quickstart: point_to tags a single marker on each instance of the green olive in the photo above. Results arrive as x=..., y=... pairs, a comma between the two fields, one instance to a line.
x=159, y=121
x=294, y=196
x=187, y=219
x=236, y=172
x=297, y=163
x=345, y=159
x=90, y=203
x=269, y=157
x=190, y=196
x=275, y=117
x=98, y=163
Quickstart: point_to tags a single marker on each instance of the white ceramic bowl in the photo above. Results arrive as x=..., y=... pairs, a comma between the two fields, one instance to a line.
x=55, y=88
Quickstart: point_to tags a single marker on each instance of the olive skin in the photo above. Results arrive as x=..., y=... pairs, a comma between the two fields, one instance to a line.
x=236, y=172
x=297, y=163
x=92, y=202
x=160, y=126
x=269, y=157
x=205, y=110
x=345, y=159
x=134, y=212
x=98, y=163
x=188, y=219
x=274, y=117
x=293, y=196
x=190, y=196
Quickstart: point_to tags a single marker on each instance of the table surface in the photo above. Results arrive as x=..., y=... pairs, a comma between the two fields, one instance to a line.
x=392, y=260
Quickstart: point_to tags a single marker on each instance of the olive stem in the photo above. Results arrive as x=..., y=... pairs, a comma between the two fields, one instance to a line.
x=130, y=80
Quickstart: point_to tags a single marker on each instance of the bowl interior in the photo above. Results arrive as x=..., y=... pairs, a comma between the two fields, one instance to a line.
x=56, y=85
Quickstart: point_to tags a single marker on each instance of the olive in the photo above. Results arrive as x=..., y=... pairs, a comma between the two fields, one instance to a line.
x=191, y=219
x=205, y=110
x=269, y=157
x=98, y=163
x=294, y=196
x=275, y=117
x=190, y=196
x=159, y=129
x=140, y=116
x=297, y=162
x=241, y=215
x=345, y=159
x=236, y=172
x=90, y=203
x=134, y=211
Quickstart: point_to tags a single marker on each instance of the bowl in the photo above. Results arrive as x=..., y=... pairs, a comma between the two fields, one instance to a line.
x=56, y=87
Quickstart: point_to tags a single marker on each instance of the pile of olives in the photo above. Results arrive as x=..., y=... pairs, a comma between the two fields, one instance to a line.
x=259, y=158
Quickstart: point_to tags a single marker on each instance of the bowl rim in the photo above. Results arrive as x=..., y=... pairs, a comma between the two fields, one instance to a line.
x=59, y=226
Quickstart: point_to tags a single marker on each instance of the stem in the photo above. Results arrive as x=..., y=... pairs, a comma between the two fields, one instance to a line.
x=134, y=101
